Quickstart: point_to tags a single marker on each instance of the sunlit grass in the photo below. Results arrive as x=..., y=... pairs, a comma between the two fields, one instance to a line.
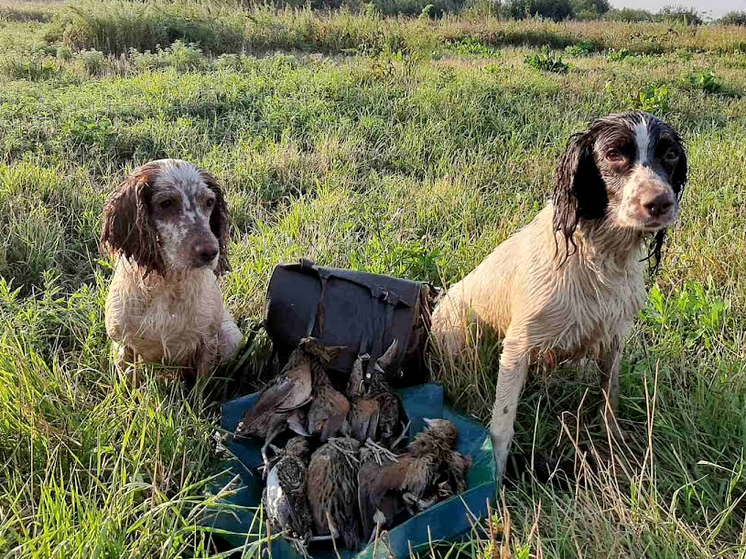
x=401, y=146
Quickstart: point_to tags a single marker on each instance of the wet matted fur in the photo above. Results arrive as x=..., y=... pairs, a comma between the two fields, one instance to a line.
x=569, y=284
x=167, y=225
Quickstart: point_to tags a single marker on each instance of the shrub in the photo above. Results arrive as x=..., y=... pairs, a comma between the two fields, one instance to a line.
x=473, y=46
x=589, y=9
x=183, y=56
x=733, y=18
x=93, y=61
x=546, y=61
x=64, y=53
x=680, y=14
x=629, y=15
x=556, y=10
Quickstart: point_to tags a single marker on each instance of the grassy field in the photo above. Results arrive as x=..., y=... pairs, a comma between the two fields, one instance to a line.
x=402, y=146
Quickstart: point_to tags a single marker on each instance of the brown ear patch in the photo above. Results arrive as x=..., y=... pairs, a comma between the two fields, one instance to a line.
x=127, y=228
x=219, y=222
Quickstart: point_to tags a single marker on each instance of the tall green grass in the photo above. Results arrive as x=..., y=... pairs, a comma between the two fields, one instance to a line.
x=394, y=145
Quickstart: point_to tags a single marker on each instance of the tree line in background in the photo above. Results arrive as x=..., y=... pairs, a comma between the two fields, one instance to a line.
x=557, y=10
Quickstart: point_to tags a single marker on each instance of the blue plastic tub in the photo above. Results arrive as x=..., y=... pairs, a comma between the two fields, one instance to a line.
x=233, y=516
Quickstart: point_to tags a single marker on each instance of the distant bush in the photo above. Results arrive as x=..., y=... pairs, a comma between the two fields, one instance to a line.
x=547, y=62
x=589, y=9
x=680, y=14
x=145, y=26
x=733, y=18
x=470, y=45
x=630, y=15
x=556, y=10
x=620, y=54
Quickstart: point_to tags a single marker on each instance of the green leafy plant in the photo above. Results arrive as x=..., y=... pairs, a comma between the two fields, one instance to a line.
x=547, y=61
x=705, y=80
x=473, y=46
x=584, y=48
x=652, y=98
x=620, y=54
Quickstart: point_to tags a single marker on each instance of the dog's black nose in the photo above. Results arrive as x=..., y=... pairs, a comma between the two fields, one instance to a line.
x=207, y=255
x=659, y=204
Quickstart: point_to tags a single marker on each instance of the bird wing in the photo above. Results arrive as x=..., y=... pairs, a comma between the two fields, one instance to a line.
x=340, y=409
x=420, y=475
x=290, y=391
x=328, y=412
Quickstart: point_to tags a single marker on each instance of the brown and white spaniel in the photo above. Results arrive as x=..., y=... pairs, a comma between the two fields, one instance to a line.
x=569, y=284
x=167, y=225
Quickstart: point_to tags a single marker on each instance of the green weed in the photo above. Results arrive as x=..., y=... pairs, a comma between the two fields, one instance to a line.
x=547, y=61
x=704, y=80
x=652, y=98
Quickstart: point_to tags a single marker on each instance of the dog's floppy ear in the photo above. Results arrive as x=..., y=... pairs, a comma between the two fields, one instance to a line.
x=579, y=190
x=127, y=228
x=219, y=221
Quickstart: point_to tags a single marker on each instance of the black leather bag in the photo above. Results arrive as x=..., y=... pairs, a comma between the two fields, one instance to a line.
x=362, y=312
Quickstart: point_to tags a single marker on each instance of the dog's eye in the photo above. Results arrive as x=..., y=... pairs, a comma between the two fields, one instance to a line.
x=166, y=204
x=614, y=155
x=671, y=155
x=210, y=202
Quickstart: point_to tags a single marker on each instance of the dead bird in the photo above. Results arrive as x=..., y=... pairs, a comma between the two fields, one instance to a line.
x=380, y=479
x=329, y=407
x=429, y=471
x=332, y=490
x=391, y=413
x=285, y=495
x=362, y=421
x=437, y=471
x=288, y=392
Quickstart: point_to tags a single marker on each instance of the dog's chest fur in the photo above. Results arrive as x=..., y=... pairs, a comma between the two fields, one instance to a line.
x=165, y=321
x=592, y=304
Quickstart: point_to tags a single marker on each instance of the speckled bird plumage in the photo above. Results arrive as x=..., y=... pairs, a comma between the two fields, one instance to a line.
x=332, y=490
x=285, y=495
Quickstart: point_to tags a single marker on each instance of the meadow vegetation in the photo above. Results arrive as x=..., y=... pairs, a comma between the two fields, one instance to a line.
x=406, y=146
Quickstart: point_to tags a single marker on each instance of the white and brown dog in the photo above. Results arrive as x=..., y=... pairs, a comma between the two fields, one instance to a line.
x=167, y=225
x=569, y=284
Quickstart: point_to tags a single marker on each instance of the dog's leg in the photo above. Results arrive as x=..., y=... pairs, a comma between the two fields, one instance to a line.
x=609, y=362
x=125, y=356
x=449, y=324
x=510, y=380
x=230, y=338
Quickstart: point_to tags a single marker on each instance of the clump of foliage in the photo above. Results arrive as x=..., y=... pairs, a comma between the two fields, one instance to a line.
x=735, y=17
x=652, y=98
x=704, y=80
x=589, y=9
x=582, y=48
x=472, y=46
x=629, y=15
x=547, y=61
x=680, y=14
x=620, y=54
x=556, y=10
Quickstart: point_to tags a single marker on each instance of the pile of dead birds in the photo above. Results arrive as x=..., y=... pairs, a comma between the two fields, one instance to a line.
x=347, y=474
